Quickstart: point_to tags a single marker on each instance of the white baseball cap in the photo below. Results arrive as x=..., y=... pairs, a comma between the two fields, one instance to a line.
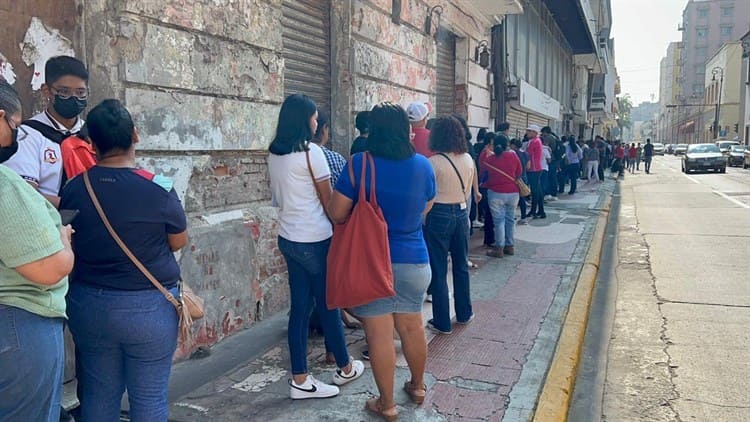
x=417, y=112
x=534, y=128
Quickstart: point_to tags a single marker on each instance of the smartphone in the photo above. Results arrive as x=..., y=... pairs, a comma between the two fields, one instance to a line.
x=67, y=216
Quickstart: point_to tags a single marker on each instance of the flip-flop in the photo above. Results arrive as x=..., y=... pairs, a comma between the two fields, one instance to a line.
x=373, y=405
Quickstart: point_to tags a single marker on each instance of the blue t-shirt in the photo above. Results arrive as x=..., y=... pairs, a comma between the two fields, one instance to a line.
x=143, y=209
x=403, y=188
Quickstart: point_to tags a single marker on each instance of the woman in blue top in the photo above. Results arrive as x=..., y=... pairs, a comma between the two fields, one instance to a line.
x=573, y=156
x=405, y=187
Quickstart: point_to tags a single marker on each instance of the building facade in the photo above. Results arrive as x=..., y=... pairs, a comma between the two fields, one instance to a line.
x=706, y=26
x=205, y=79
x=669, y=93
x=723, y=86
x=560, y=66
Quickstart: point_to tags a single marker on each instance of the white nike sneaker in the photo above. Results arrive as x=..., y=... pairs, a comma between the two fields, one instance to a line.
x=341, y=378
x=311, y=389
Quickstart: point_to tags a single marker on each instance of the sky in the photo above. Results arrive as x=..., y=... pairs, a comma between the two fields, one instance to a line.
x=642, y=30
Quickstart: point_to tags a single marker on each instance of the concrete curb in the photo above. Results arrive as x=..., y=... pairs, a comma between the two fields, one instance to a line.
x=555, y=398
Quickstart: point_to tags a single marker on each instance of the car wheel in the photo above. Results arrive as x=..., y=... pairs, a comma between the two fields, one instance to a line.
x=723, y=169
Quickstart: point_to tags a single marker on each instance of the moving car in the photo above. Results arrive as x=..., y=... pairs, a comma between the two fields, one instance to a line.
x=736, y=156
x=725, y=146
x=680, y=149
x=703, y=157
x=658, y=148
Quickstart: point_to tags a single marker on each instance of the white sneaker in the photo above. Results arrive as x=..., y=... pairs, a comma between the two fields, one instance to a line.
x=311, y=389
x=340, y=378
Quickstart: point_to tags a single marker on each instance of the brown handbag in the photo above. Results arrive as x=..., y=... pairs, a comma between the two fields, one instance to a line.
x=523, y=188
x=189, y=307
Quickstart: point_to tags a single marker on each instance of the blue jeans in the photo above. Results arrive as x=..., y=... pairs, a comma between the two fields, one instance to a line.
x=125, y=340
x=31, y=366
x=446, y=231
x=503, y=206
x=306, y=263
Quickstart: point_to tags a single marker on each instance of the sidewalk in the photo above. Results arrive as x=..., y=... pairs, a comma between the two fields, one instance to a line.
x=490, y=370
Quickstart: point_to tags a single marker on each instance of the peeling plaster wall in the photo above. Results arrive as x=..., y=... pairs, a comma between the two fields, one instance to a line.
x=204, y=82
x=397, y=62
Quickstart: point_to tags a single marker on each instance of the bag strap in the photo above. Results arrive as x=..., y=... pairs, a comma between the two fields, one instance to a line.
x=500, y=171
x=124, y=247
x=461, y=179
x=366, y=157
x=312, y=175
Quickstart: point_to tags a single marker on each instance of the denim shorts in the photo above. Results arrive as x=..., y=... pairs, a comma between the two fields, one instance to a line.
x=410, y=282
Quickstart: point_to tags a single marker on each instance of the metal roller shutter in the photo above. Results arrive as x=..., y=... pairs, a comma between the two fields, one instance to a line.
x=518, y=122
x=538, y=120
x=446, y=73
x=307, y=50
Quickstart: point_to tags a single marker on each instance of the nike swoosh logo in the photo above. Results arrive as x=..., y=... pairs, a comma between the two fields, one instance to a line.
x=341, y=374
x=313, y=389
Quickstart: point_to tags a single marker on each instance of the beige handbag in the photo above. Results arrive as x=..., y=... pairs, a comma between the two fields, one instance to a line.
x=189, y=308
x=523, y=188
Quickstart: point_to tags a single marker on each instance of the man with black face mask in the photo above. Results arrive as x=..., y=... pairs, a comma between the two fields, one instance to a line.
x=40, y=155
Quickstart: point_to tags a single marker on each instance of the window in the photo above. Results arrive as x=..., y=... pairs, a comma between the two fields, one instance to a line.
x=701, y=32
x=534, y=50
x=698, y=89
x=510, y=23
x=726, y=31
x=522, y=46
x=727, y=11
x=702, y=13
x=701, y=51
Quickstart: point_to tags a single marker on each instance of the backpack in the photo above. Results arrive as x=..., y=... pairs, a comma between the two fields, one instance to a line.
x=77, y=154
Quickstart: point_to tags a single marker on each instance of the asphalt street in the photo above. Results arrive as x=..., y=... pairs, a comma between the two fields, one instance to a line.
x=668, y=338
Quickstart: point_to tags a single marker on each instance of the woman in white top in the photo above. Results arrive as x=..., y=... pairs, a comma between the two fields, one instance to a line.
x=446, y=227
x=304, y=238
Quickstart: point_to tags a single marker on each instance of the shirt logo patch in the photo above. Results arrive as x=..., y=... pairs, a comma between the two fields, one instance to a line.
x=50, y=156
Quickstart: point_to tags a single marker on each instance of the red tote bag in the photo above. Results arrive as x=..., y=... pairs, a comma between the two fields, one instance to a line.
x=359, y=260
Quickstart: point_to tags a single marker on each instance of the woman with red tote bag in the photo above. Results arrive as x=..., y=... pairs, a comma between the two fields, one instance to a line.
x=404, y=188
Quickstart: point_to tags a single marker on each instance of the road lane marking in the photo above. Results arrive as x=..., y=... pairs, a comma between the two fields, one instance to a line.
x=722, y=194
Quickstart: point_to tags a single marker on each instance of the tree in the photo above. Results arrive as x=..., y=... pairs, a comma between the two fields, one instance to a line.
x=624, y=106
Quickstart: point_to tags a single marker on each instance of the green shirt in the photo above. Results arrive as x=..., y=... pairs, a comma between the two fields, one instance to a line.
x=29, y=231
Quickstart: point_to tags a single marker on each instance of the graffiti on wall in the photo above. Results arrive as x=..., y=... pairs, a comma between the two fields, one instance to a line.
x=39, y=45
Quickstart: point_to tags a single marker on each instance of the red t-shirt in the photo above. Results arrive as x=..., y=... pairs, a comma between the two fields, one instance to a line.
x=633, y=152
x=421, y=141
x=536, y=154
x=620, y=152
x=497, y=182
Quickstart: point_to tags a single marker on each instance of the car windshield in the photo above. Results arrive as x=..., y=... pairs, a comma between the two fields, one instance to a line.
x=703, y=148
x=682, y=146
x=726, y=145
x=738, y=148
x=658, y=145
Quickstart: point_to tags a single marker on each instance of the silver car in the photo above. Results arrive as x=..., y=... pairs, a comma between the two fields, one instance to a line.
x=704, y=157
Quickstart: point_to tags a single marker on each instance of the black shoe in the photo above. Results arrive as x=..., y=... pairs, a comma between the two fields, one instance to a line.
x=541, y=216
x=366, y=354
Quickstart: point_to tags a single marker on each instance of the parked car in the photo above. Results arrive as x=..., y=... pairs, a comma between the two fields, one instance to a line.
x=736, y=156
x=746, y=164
x=703, y=157
x=658, y=148
x=725, y=146
x=680, y=149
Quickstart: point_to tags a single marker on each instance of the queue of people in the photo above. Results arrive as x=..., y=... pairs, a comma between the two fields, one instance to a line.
x=67, y=187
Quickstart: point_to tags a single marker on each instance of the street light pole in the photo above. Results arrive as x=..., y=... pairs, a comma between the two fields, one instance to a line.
x=714, y=71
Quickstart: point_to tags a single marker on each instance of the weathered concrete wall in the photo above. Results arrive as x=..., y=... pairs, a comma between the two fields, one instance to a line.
x=397, y=62
x=204, y=81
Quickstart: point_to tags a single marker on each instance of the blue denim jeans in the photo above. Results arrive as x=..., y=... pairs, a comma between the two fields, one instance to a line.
x=125, y=340
x=306, y=263
x=31, y=366
x=446, y=232
x=503, y=207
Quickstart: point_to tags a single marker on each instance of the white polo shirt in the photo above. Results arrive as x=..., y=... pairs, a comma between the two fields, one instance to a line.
x=38, y=159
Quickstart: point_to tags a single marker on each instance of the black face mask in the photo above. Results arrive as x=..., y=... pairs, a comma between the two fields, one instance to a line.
x=7, y=152
x=70, y=107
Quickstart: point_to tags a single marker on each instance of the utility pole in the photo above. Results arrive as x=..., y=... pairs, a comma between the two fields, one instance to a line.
x=720, y=71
